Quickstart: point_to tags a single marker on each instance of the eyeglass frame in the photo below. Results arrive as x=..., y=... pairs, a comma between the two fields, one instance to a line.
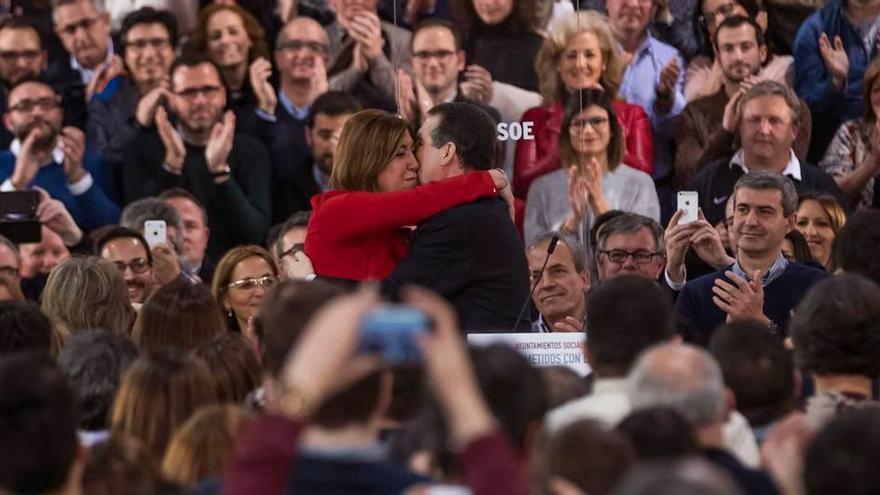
x=312, y=46
x=122, y=266
x=724, y=9
x=13, y=55
x=596, y=123
x=85, y=23
x=425, y=56
x=141, y=44
x=261, y=281
x=627, y=255
x=41, y=102
x=208, y=91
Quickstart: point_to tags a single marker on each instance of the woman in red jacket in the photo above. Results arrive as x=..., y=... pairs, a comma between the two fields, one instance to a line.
x=357, y=231
x=580, y=52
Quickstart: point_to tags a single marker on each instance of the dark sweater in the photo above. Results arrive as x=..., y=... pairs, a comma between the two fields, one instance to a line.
x=313, y=475
x=750, y=481
x=507, y=54
x=715, y=184
x=699, y=316
x=238, y=209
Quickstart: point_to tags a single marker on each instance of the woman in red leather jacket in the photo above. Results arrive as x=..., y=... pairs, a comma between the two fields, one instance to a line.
x=580, y=52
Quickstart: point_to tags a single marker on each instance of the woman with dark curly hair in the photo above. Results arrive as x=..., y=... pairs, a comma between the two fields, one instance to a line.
x=836, y=335
x=503, y=37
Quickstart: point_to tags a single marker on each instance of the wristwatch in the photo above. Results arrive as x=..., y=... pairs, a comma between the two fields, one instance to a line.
x=222, y=172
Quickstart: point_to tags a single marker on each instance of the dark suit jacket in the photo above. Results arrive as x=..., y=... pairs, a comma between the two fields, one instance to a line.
x=472, y=256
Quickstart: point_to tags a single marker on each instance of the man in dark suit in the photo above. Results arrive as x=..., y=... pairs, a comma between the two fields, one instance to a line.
x=470, y=254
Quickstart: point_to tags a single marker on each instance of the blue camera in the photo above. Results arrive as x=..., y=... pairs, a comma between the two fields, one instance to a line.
x=391, y=332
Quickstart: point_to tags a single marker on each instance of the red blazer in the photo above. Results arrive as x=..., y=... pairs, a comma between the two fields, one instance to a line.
x=357, y=235
x=539, y=156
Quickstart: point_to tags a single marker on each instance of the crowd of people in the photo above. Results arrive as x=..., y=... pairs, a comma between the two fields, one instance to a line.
x=224, y=198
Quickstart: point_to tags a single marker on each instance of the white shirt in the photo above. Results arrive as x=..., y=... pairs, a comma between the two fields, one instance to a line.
x=88, y=74
x=608, y=404
x=792, y=168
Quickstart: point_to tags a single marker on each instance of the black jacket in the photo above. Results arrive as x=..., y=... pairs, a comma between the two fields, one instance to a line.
x=715, y=184
x=472, y=256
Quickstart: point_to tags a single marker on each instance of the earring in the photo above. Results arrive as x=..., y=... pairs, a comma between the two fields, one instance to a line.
x=229, y=312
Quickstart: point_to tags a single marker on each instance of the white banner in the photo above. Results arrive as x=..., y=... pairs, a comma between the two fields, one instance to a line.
x=541, y=349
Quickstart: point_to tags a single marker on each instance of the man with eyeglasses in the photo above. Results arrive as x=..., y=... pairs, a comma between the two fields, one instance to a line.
x=229, y=173
x=52, y=157
x=630, y=244
x=84, y=30
x=10, y=261
x=438, y=61
x=149, y=38
x=128, y=250
x=21, y=55
x=708, y=124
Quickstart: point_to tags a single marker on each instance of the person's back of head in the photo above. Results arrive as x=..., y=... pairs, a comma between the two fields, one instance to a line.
x=626, y=315
x=181, y=314
x=284, y=314
x=588, y=455
x=562, y=384
x=122, y=464
x=94, y=361
x=757, y=368
x=855, y=247
x=137, y=212
x=660, y=433
x=842, y=457
x=234, y=365
x=513, y=389
x=23, y=327
x=692, y=476
x=836, y=327
x=38, y=419
x=683, y=377
x=202, y=446
x=471, y=130
x=86, y=292
x=158, y=393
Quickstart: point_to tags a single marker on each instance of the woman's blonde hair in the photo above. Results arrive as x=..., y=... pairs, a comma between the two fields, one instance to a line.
x=223, y=274
x=201, y=447
x=872, y=72
x=369, y=141
x=87, y=292
x=547, y=61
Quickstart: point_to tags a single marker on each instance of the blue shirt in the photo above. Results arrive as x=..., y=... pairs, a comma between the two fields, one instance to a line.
x=639, y=87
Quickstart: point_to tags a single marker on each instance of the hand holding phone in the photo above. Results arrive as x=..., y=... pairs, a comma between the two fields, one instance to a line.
x=392, y=331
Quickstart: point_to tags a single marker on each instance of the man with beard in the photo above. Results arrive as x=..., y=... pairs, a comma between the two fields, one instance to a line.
x=762, y=285
x=21, y=55
x=129, y=251
x=227, y=172
x=767, y=124
x=53, y=158
x=707, y=123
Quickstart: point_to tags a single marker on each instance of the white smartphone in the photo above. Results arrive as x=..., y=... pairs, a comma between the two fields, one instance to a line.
x=154, y=232
x=689, y=202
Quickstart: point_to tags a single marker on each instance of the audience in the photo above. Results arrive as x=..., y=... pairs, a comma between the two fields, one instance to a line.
x=688, y=380
x=157, y=394
x=851, y=158
x=151, y=364
x=819, y=219
x=94, y=361
x=560, y=285
x=592, y=174
x=229, y=173
x=580, y=53
x=181, y=315
x=761, y=285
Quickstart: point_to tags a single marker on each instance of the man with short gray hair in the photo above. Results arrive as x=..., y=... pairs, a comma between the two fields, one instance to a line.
x=560, y=293
x=687, y=379
x=767, y=127
x=762, y=285
x=630, y=244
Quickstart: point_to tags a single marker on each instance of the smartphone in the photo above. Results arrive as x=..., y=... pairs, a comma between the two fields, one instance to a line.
x=18, y=216
x=391, y=331
x=154, y=233
x=689, y=202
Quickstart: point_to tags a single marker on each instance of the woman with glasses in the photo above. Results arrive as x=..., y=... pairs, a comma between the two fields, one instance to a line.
x=593, y=178
x=241, y=280
x=579, y=53
x=704, y=76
